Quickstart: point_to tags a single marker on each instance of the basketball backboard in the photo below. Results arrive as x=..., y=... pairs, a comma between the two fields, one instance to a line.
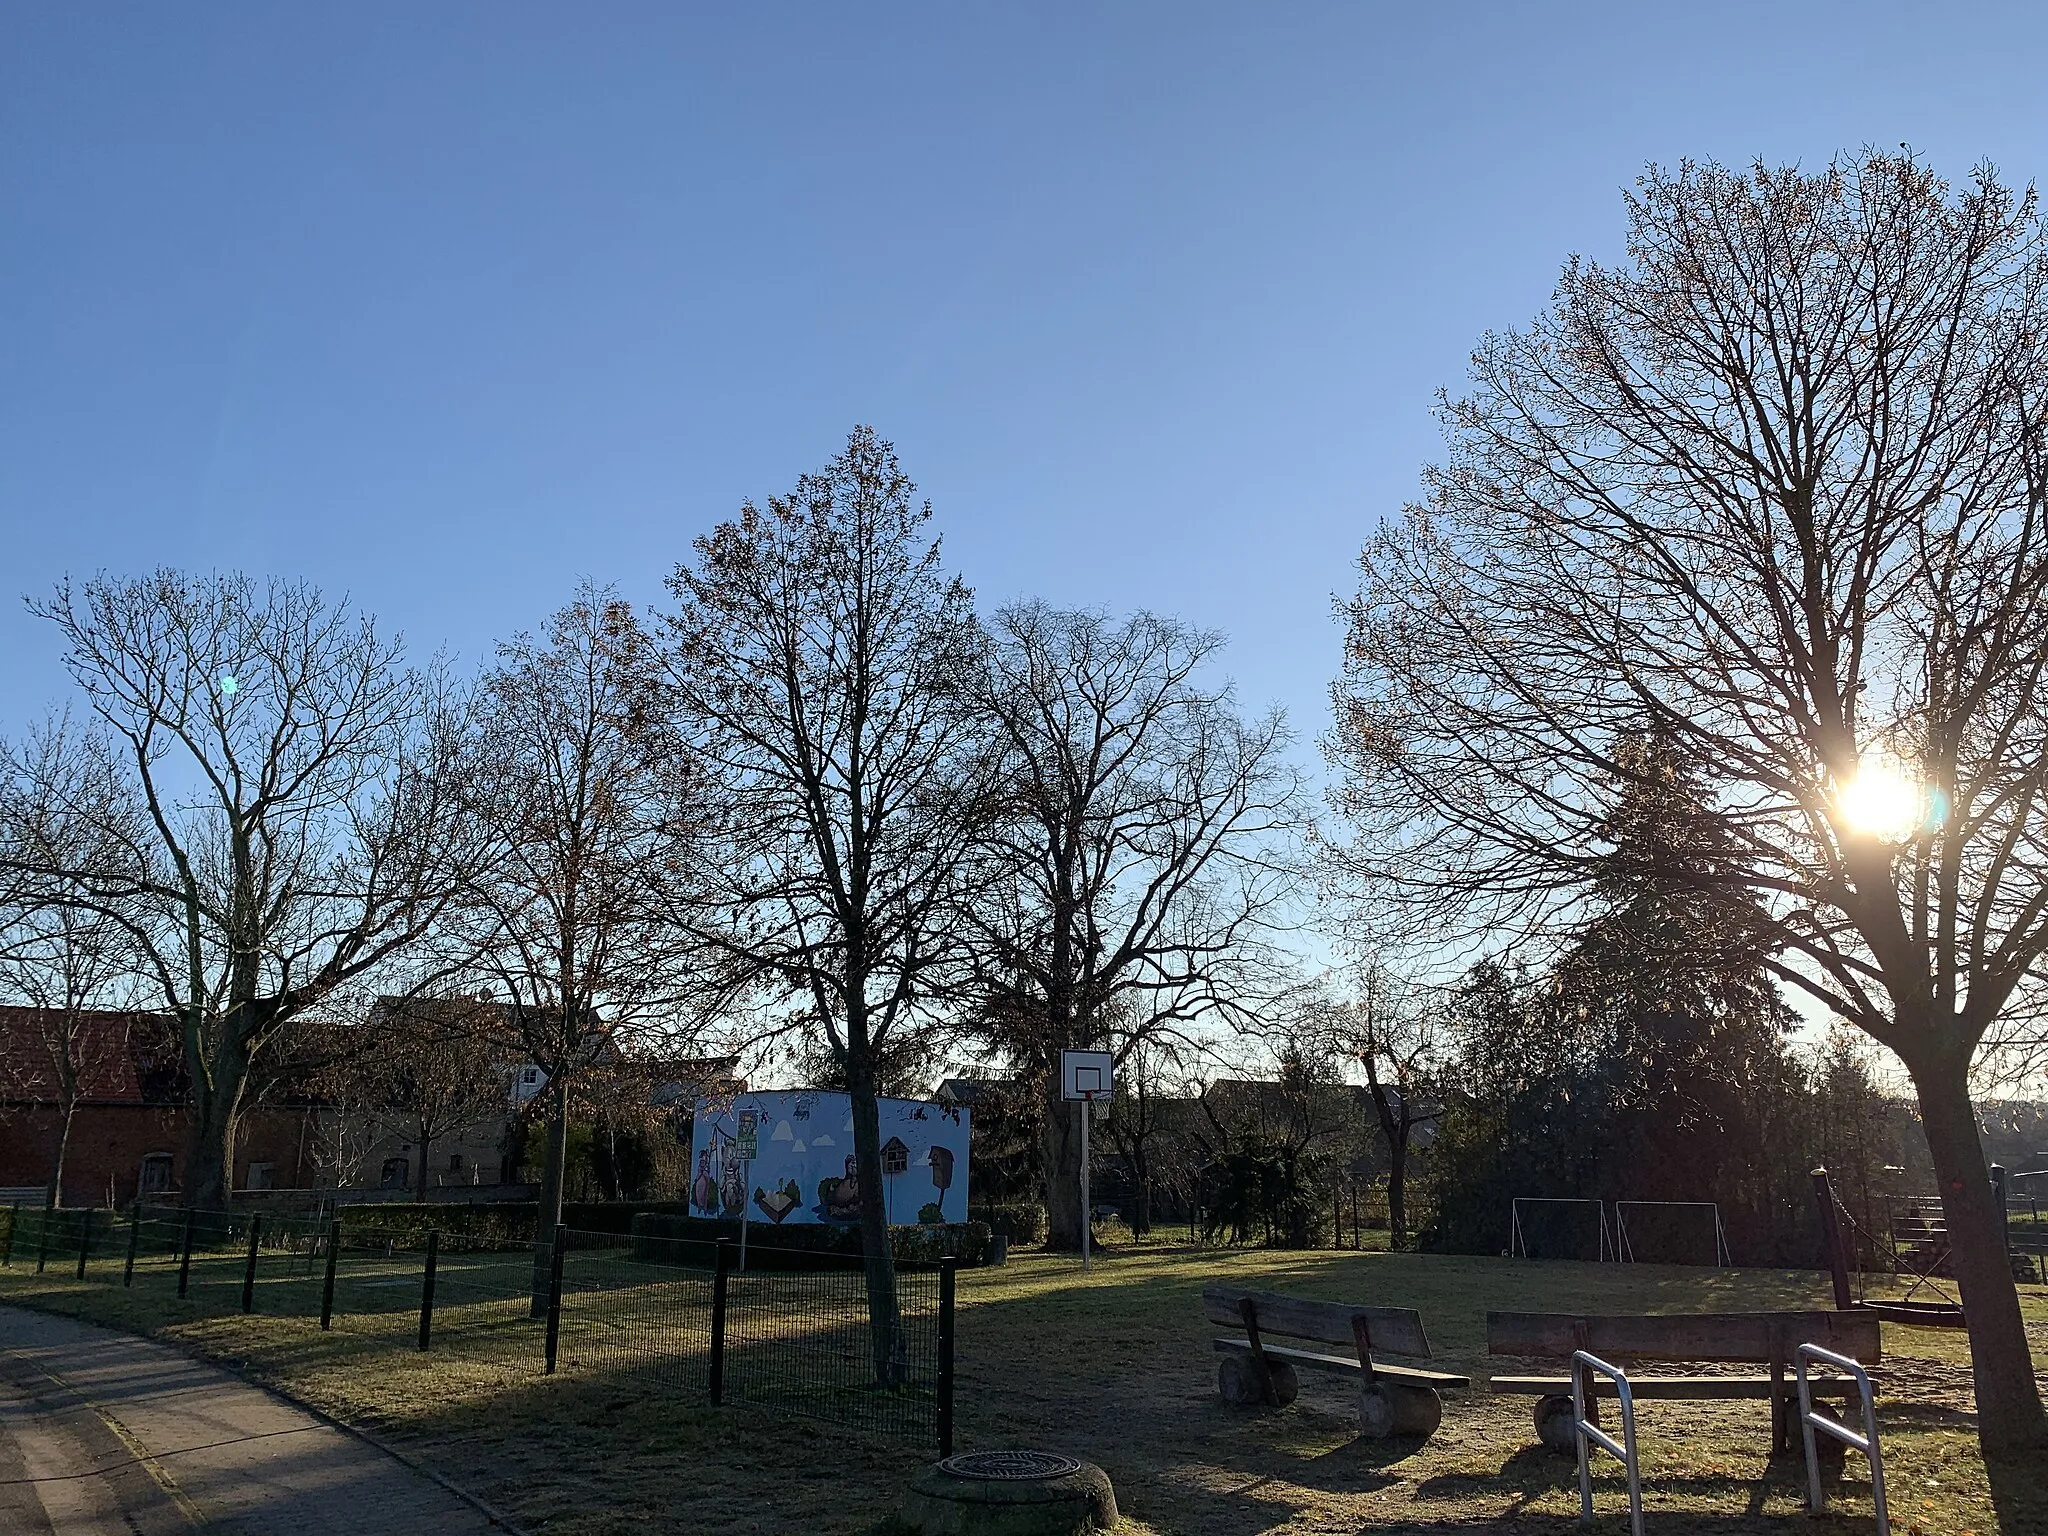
x=1084, y=1074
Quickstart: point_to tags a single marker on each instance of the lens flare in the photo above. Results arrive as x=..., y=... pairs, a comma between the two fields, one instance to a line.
x=1884, y=800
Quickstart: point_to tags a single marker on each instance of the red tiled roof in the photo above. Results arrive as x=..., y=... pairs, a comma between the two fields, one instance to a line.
x=125, y=1058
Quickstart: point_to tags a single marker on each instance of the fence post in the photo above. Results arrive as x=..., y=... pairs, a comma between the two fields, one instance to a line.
x=327, y=1286
x=945, y=1358
x=555, y=1292
x=43, y=1240
x=720, y=1270
x=249, y=1270
x=185, y=1255
x=84, y=1240
x=427, y=1286
x=13, y=1223
x=134, y=1237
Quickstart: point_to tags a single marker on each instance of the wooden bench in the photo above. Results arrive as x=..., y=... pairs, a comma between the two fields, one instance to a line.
x=1392, y=1399
x=1744, y=1338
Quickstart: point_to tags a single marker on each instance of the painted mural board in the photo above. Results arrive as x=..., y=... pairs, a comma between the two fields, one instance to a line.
x=802, y=1171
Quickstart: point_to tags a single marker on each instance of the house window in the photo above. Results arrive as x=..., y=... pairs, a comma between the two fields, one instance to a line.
x=455, y=1162
x=258, y=1176
x=530, y=1076
x=397, y=1173
x=156, y=1174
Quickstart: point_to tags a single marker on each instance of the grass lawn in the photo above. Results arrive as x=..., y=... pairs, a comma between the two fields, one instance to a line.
x=1116, y=1367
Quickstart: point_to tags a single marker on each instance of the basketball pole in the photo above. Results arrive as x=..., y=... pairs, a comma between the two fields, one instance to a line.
x=1087, y=1114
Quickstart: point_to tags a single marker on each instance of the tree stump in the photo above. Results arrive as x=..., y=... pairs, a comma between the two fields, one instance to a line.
x=1010, y=1493
x=1832, y=1453
x=1386, y=1410
x=1554, y=1423
x=1239, y=1380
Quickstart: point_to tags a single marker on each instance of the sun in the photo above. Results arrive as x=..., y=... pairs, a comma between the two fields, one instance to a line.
x=1883, y=800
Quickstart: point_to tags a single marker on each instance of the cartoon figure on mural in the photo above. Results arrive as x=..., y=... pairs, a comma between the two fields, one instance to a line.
x=732, y=1190
x=704, y=1191
x=839, y=1199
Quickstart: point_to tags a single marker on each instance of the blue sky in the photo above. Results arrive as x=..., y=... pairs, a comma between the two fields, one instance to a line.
x=446, y=306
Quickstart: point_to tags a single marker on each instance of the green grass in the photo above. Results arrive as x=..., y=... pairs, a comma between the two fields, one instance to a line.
x=1115, y=1366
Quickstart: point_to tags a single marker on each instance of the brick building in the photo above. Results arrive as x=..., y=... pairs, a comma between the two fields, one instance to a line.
x=131, y=1128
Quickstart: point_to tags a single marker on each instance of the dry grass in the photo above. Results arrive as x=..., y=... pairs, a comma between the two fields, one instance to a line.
x=1116, y=1367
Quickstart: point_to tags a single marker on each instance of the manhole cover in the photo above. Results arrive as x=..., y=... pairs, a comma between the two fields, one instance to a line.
x=1010, y=1466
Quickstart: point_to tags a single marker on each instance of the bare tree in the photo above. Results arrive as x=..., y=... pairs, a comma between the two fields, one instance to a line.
x=72, y=967
x=1392, y=1034
x=1139, y=1115
x=272, y=810
x=580, y=783
x=69, y=968
x=826, y=663
x=429, y=1068
x=1776, y=485
x=1145, y=842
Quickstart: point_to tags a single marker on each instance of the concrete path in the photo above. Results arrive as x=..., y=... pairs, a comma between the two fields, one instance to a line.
x=102, y=1433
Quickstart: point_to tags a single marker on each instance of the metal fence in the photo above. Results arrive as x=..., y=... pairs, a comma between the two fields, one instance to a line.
x=786, y=1331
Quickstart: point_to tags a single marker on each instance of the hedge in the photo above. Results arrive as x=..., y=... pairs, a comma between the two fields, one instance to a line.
x=657, y=1238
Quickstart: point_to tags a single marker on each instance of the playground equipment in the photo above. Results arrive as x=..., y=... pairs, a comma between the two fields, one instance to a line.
x=1926, y=1257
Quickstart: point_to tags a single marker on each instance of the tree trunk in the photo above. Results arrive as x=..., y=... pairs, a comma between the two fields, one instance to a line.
x=56, y=1194
x=419, y=1185
x=549, y=1214
x=209, y=1164
x=1141, y=1206
x=1060, y=1146
x=877, y=1262
x=2009, y=1412
x=1397, y=1191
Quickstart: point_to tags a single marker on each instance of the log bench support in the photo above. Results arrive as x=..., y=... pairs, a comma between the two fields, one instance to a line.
x=1766, y=1339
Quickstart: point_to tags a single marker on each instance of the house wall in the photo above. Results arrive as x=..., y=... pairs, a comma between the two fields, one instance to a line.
x=109, y=1142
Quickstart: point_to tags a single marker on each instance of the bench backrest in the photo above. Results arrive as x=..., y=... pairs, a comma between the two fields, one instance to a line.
x=1395, y=1330
x=1755, y=1338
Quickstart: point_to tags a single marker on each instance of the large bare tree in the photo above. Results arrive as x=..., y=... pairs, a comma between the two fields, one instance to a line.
x=270, y=810
x=827, y=663
x=1145, y=842
x=580, y=784
x=1775, y=485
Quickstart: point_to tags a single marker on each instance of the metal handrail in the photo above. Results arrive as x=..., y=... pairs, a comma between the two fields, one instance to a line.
x=1583, y=1430
x=1866, y=1442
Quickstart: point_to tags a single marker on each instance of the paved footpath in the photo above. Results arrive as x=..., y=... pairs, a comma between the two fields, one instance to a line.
x=102, y=1434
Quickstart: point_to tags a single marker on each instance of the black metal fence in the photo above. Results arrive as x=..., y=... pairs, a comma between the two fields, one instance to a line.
x=789, y=1332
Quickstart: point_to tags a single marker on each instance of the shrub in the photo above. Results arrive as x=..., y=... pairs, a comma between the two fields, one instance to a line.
x=1021, y=1224
x=663, y=1238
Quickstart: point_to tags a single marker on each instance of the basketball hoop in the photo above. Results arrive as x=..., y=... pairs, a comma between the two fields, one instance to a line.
x=1085, y=1076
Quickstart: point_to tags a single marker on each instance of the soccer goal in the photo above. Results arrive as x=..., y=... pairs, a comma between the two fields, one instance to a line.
x=1670, y=1232
x=1559, y=1227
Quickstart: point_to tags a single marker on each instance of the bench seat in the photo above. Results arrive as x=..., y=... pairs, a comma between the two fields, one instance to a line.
x=1311, y=1360
x=1668, y=1388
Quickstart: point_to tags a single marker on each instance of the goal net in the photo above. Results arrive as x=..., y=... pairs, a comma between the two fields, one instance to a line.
x=1559, y=1227
x=1670, y=1232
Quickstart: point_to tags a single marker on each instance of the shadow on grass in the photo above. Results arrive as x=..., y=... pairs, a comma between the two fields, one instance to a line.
x=1116, y=1368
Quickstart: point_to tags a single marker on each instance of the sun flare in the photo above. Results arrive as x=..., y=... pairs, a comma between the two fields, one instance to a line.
x=1883, y=800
